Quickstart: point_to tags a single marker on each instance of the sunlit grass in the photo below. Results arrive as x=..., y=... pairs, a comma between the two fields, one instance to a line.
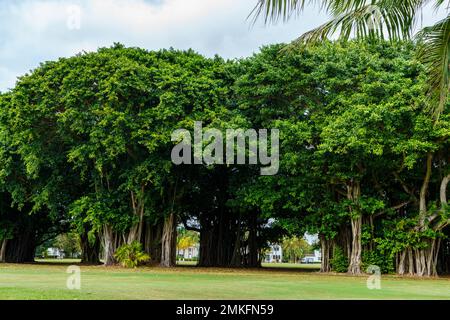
x=48, y=281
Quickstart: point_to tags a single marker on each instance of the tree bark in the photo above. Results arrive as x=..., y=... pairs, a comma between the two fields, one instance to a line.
x=152, y=241
x=206, y=243
x=423, y=261
x=443, y=263
x=325, y=265
x=410, y=262
x=90, y=252
x=355, y=258
x=225, y=242
x=354, y=192
x=3, y=250
x=401, y=264
x=21, y=249
x=443, y=190
x=423, y=192
x=109, y=245
x=169, y=241
x=253, y=260
x=137, y=203
x=236, y=259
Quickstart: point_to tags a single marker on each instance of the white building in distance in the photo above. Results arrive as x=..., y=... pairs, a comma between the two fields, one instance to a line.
x=274, y=254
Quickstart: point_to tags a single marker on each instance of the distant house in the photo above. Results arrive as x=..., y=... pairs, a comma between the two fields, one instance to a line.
x=274, y=254
x=189, y=253
x=316, y=257
x=55, y=253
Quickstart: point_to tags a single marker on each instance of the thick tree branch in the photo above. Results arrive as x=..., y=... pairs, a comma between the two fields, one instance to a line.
x=426, y=182
x=443, y=191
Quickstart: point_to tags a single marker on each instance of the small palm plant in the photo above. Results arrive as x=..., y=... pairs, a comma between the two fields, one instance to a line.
x=131, y=255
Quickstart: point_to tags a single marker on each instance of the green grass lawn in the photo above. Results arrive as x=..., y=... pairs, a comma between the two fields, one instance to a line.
x=305, y=267
x=265, y=265
x=48, y=281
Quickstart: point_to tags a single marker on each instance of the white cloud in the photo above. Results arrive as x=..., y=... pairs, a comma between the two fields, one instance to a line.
x=37, y=30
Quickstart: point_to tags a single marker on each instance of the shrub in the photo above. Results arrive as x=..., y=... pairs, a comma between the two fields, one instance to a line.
x=377, y=258
x=131, y=255
x=339, y=262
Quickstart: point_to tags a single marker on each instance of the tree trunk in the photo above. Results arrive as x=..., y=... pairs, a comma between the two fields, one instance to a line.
x=423, y=192
x=218, y=234
x=421, y=262
x=3, y=250
x=152, y=241
x=169, y=242
x=355, y=258
x=236, y=259
x=443, y=263
x=426, y=259
x=410, y=262
x=325, y=265
x=401, y=264
x=21, y=249
x=205, y=258
x=90, y=252
x=253, y=249
x=137, y=203
x=354, y=192
x=109, y=245
x=443, y=190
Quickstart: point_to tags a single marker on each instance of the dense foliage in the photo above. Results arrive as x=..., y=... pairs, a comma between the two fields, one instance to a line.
x=86, y=146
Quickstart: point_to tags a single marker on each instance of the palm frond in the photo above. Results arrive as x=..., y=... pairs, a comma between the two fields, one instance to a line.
x=434, y=53
x=439, y=3
x=392, y=19
x=274, y=10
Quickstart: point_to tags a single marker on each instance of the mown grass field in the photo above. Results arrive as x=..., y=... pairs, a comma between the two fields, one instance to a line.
x=265, y=265
x=48, y=281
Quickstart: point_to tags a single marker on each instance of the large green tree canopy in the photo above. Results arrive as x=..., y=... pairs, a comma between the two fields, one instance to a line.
x=355, y=139
x=86, y=146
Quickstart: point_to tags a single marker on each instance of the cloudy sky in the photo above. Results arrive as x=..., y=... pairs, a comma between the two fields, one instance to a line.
x=32, y=31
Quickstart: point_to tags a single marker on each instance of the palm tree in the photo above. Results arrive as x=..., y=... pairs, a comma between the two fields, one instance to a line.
x=392, y=19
